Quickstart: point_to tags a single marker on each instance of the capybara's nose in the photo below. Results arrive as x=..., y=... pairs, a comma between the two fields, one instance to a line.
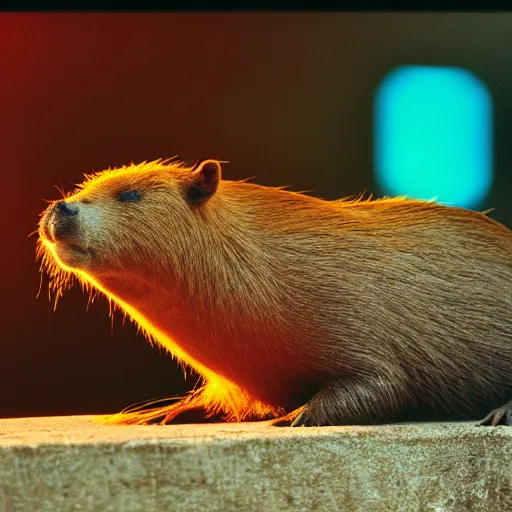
x=66, y=209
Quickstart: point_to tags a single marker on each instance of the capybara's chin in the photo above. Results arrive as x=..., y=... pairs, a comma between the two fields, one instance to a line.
x=75, y=256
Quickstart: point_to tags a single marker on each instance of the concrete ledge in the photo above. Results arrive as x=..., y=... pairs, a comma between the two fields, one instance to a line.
x=73, y=464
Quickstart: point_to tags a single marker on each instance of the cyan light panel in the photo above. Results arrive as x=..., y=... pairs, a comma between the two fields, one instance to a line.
x=433, y=135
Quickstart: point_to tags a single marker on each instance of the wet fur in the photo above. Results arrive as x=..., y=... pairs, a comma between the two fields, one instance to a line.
x=337, y=312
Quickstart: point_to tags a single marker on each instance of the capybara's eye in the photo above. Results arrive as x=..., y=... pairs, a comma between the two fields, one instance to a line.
x=130, y=196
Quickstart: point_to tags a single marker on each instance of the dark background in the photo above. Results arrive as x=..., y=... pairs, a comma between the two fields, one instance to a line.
x=286, y=98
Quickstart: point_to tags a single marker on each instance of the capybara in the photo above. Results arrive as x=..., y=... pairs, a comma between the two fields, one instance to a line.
x=290, y=307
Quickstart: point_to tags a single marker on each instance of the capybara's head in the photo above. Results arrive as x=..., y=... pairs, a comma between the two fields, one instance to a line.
x=129, y=220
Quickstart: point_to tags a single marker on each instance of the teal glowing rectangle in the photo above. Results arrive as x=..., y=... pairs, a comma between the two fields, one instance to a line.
x=433, y=135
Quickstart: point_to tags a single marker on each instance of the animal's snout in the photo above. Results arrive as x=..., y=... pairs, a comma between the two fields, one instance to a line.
x=66, y=209
x=61, y=221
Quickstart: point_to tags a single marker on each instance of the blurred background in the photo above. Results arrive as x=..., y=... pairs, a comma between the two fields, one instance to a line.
x=338, y=103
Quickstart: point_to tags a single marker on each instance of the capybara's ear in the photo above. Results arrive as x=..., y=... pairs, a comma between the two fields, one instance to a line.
x=202, y=182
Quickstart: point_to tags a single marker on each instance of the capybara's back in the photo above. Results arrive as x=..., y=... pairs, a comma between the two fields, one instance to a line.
x=317, y=312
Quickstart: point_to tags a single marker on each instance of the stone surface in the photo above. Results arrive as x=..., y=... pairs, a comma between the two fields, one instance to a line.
x=73, y=464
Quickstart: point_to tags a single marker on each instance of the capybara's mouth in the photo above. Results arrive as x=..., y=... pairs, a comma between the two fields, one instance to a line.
x=72, y=254
x=77, y=249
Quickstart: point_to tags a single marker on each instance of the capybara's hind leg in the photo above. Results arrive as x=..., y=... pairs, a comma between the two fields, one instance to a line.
x=348, y=402
x=500, y=416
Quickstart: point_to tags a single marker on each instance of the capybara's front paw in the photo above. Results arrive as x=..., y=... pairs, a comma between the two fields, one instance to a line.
x=288, y=419
x=300, y=417
x=500, y=416
x=304, y=419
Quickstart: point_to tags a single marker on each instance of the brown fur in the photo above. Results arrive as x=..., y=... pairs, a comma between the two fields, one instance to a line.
x=365, y=311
